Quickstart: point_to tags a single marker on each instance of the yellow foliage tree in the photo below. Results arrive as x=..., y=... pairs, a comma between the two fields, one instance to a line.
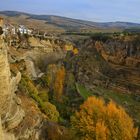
x=101, y=131
x=119, y=123
x=59, y=83
x=75, y=51
x=97, y=121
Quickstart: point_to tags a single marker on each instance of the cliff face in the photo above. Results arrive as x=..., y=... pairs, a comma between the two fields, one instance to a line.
x=10, y=111
x=113, y=63
x=37, y=53
x=124, y=58
x=120, y=53
x=20, y=116
x=4, y=81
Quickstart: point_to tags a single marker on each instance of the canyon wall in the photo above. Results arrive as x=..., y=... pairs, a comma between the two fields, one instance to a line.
x=114, y=63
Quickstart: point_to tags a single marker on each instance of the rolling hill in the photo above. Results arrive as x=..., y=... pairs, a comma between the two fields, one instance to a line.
x=53, y=23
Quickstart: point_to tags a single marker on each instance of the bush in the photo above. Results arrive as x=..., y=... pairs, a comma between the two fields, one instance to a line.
x=44, y=96
x=51, y=112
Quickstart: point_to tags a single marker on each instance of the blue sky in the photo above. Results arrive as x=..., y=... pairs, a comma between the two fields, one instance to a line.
x=94, y=10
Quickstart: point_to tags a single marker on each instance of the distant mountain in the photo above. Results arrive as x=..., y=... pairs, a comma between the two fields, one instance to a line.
x=48, y=22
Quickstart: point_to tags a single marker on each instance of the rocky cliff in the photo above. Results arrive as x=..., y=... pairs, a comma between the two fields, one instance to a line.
x=10, y=111
x=123, y=56
x=21, y=117
x=37, y=52
x=113, y=62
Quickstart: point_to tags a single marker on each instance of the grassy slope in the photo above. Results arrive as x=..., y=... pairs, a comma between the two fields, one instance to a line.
x=83, y=91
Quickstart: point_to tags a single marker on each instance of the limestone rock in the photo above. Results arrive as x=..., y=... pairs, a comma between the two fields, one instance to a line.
x=31, y=68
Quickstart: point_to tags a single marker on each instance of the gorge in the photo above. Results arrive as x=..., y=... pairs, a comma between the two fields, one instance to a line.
x=43, y=81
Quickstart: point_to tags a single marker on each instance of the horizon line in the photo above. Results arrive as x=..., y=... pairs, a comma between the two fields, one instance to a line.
x=44, y=14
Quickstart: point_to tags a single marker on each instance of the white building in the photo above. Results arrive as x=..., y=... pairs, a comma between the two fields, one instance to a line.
x=24, y=30
x=29, y=31
x=5, y=29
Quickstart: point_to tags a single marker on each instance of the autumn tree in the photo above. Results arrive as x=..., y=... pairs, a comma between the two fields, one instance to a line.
x=59, y=83
x=54, y=80
x=75, y=51
x=101, y=131
x=97, y=121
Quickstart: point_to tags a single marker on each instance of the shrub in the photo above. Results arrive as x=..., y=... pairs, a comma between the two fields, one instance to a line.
x=51, y=112
x=44, y=96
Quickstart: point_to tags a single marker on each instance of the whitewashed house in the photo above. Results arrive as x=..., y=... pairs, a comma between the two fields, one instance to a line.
x=24, y=30
x=5, y=29
x=9, y=29
x=30, y=31
x=21, y=29
x=12, y=29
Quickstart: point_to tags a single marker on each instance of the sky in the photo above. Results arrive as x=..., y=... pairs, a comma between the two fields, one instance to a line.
x=93, y=10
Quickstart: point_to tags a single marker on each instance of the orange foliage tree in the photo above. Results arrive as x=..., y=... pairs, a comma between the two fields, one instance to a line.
x=97, y=121
x=59, y=83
